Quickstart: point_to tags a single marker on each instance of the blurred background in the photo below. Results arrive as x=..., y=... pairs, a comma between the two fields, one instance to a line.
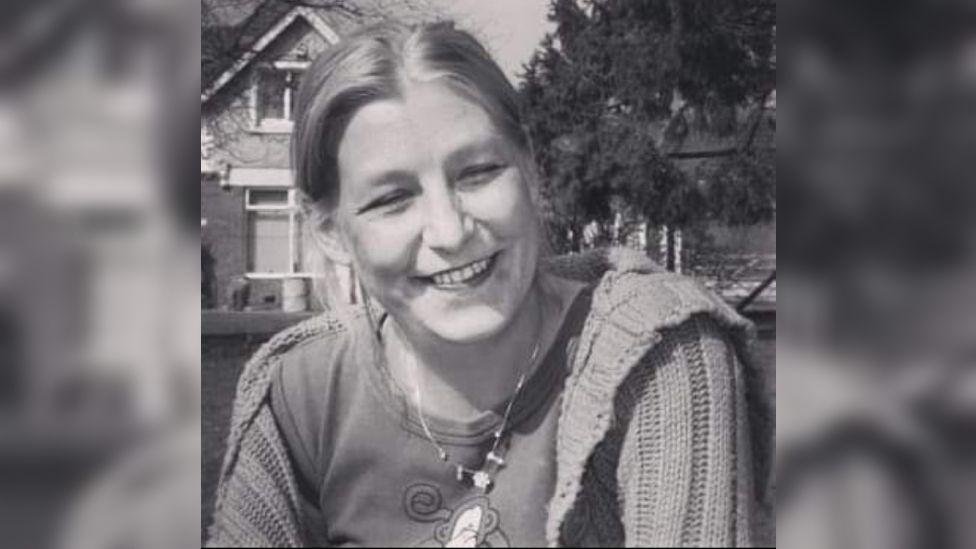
x=876, y=383
x=99, y=315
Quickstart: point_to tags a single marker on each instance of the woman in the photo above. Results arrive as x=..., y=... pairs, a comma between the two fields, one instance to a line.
x=483, y=395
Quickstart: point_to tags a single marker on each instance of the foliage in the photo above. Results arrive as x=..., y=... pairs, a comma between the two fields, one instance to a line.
x=614, y=74
x=739, y=191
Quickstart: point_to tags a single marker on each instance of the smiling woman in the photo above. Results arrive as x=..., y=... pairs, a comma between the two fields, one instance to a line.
x=483, y=394
x=426, y=175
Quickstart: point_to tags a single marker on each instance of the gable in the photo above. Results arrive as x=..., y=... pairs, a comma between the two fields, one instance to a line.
x=296, y=14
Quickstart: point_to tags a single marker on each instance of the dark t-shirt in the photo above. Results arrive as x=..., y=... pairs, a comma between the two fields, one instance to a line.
x=368, y=474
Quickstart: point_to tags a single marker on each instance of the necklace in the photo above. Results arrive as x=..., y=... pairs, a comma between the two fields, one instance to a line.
x=484, y=478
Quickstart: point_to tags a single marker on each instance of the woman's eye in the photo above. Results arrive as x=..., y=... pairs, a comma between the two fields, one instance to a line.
x=480, y=173
x=388, y=203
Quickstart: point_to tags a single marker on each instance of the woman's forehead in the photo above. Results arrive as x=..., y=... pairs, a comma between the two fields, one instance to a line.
x=429, y=123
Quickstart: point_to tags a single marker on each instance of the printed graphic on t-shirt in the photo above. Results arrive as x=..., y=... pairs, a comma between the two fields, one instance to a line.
x=472, y=523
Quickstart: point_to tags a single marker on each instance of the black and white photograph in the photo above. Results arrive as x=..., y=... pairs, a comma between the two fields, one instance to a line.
x=487, y=273
x=519, y=259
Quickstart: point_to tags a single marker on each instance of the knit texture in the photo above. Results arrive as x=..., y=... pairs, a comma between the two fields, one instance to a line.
x=663, y=434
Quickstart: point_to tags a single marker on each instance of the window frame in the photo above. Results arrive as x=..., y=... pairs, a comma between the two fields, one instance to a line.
x=292, y=70
x=290, y=206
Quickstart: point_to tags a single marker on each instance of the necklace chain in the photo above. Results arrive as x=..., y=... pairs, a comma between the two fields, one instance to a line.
x=493, y=461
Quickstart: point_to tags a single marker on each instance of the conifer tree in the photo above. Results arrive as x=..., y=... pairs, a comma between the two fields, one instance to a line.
x=613, y=71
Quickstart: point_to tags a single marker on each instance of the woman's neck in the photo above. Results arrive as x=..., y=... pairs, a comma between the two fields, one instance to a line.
x=458, y=380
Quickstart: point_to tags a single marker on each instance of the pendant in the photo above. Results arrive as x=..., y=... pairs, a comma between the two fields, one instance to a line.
x=479, y=479
x=482, y=481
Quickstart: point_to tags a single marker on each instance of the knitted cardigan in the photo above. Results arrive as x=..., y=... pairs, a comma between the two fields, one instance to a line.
x=662, y=436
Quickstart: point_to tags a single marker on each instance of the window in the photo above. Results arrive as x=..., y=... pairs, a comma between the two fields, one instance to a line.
x=273, y=233
x=268, y=242
x=272, y=95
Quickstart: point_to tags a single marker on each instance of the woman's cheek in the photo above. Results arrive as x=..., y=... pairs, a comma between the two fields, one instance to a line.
x=504, y=205
x=383, y=246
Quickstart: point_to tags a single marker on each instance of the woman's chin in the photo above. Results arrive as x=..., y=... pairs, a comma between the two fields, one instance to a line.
x=469, y=326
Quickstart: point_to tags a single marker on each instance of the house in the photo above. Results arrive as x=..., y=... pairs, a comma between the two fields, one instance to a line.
x=251, y=234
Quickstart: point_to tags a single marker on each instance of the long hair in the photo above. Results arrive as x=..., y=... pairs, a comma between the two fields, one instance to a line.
x=376, y=64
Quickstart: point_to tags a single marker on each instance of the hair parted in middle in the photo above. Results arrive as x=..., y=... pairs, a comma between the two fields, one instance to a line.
x=377, y=63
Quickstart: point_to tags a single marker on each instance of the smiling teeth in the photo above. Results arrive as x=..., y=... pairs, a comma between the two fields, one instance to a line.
x=461, y=274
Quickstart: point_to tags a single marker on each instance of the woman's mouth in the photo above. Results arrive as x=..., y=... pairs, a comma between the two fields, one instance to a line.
x=465, y=275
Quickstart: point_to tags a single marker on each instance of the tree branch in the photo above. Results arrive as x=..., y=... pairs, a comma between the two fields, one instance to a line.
x=714, y=153
x=754, y=126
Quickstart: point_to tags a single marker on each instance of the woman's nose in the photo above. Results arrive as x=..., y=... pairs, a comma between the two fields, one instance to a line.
x=446, y=226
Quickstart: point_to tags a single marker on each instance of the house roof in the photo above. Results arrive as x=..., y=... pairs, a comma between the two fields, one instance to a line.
x=231, y=28
x=229, y=49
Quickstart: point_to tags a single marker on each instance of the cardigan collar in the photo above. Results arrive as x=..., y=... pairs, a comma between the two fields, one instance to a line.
x=633, y=303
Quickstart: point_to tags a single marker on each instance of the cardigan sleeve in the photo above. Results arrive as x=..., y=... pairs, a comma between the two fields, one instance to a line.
x=684, y=469
x=257, y=501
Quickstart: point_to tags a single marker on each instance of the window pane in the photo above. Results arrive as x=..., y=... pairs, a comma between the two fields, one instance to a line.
x=267, y=242
x=271, y=94
x=267, y=197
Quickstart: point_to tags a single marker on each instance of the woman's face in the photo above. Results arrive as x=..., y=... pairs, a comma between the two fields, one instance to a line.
x=436, y=215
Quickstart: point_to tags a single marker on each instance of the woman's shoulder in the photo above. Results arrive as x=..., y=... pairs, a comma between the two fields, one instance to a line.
x=651, y=301
x=310, y=353
x=633, y=294
x=307, y=358
x=304, y=350
x=323, y=329
x=637, y=309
